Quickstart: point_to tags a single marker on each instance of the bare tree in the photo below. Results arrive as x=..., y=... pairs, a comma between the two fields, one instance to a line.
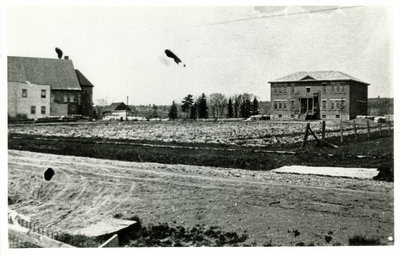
x=217, y=103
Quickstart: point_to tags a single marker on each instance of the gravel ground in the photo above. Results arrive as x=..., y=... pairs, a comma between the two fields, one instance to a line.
x=281, y=209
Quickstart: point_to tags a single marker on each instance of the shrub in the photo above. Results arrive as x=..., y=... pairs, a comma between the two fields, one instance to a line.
x=362, y=240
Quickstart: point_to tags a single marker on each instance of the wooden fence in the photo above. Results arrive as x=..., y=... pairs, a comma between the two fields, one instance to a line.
x=348, y=129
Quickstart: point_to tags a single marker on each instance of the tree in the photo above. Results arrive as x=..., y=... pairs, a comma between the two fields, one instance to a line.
x=245, y=108
x=255, y=110
x=154, y=113
x=193, y=111
x=202, y=105
x=217, y=104
x=173, y=111
x=186, y=104
x=236, y=105
x=230, y=108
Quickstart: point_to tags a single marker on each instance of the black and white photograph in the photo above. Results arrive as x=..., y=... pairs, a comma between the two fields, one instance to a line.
x=191, y=125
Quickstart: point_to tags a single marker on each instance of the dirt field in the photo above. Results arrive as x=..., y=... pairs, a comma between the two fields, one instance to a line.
x=257, y=133
x=283, y=209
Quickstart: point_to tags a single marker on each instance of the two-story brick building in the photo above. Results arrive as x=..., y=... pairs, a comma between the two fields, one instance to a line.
x=67, y=90
x=318, y=95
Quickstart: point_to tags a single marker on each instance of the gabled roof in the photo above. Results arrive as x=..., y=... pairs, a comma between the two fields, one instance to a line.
x=318, y=76
x=83, y=81
x=58, y=73
x=115, y=107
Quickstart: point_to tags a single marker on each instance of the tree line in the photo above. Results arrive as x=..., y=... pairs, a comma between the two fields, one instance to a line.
x=216, y=105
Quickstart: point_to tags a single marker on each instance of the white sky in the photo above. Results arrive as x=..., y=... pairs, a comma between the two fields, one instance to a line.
x=121, y=49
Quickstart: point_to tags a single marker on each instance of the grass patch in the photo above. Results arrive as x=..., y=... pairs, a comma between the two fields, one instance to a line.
x=252, y=158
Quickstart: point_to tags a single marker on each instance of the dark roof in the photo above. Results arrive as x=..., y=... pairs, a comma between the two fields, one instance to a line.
x=83, y=81
x=58, y=73
x=115, y=107
x=318, y=76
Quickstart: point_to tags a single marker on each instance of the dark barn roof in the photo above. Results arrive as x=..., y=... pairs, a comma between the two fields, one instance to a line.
x=58, y=73
x=317, y=76
x=115, y=107
x=83, y=81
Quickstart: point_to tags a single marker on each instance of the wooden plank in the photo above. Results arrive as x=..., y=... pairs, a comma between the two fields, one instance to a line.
x=341, y=130
x=323, y=130
x=316, y=138
x=355, y=130
x=105, y=227
x=305, y=136
x=349, y=172
x=26, y=235
x=112, y=242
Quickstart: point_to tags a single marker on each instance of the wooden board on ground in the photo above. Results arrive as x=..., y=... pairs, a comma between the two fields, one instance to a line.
x=359, y=173
x=108, y=226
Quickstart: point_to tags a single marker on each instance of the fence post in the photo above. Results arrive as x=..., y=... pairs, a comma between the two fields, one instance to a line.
x=368, y=135
x=341, y=130
x=323, y=130
x=305, y=135
x=355, y=129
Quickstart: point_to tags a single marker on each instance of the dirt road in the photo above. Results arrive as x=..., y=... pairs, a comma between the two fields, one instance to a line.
x=283, y=209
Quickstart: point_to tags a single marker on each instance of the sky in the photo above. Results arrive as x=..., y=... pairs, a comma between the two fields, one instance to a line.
x=230, y=50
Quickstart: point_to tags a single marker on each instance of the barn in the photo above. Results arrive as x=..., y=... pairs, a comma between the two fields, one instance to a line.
x=52, y=85
x=318, y=95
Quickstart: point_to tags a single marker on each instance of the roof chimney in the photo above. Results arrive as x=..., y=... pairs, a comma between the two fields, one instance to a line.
x=66, y=57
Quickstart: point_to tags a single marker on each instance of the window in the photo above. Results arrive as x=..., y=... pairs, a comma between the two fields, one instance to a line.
x=333, y=105
x=308, y=89
x=275, y=105
x=323, y=104
x=279, y=89
x=33, y=109
x=43, y=110
x=292, y=86
x=279, y=115
x=292, y=104
x=65, y=98
x=292, y=116
x=337, y=116
x=324, y=87
x=72, y=98
x=280, y=105
x=343, y=87
x=333, y=86
x=338, y=105
x=43, y=93
x=284, y=89
x=284, y=105
x=275, y=90
x=337, y=88
x=24, y=93
x=324, y=116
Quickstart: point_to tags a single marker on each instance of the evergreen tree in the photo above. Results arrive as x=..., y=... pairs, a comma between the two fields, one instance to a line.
x=203, y=111
x=255, y=107
x=245, y=109
x=230, y=108
x=193, y=111
x=236, y=108
x=186, y=104
x=173, y=111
